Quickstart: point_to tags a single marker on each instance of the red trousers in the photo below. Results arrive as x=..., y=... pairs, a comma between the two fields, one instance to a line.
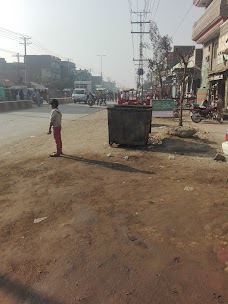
x=58, y=140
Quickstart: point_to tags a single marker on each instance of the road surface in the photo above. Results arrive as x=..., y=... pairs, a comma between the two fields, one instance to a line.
x=16, y=126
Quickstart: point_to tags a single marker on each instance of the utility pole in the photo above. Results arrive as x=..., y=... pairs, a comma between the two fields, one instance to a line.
x=25, y=42
x=18, y=56
x=141, y=59
x=101, y=56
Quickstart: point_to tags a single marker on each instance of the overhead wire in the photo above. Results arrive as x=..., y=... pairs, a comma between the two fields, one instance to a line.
x=182, y=20
x=7, y=51
x=12, y=32
x=9, y=37
x=156, y=9
x=36, y=45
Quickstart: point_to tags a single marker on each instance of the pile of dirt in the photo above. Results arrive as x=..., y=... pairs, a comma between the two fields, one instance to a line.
x=182, y=132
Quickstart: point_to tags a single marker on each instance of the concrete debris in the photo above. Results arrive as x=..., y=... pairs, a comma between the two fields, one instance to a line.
x=154, y=142
x=219, y=157
x=38, y=220
x=171, y=157
x=132, y=237
x=188, y=189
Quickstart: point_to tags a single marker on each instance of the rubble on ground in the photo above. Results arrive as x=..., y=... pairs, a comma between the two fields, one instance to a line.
x=183, y=132
x=219, y=157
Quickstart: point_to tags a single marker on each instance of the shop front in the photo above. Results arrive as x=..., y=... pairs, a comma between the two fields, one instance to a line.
x=219, y=86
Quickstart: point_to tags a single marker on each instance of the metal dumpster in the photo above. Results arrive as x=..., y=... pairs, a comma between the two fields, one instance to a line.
x=129, y=125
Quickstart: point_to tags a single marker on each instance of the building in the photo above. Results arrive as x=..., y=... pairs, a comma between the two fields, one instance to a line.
x=202, y=3
x=211, y=30
x=68, y=69
x=83, y=75
x=11, y=73
x=45, y=69
x=183, y=49
x=96, y=81
x=175, y=74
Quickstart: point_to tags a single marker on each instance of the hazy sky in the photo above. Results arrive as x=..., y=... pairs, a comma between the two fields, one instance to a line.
x=82, y=29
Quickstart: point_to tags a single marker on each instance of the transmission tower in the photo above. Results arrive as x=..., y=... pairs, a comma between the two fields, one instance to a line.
x=141, y=32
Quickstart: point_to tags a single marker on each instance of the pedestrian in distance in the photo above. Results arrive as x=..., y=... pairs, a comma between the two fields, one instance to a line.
x=219, y=104
x=55, y=126
x=21, y=94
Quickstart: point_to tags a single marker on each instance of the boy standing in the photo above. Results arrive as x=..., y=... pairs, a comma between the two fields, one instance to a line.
x=55, y=124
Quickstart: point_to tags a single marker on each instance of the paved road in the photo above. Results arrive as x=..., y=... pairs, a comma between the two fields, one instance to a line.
x=16, y=126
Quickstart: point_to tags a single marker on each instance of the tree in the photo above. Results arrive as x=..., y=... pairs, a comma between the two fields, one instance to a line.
x=185, y=59
x=160, y=46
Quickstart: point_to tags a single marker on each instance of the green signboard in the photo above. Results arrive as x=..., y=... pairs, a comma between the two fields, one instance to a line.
x=2, y=95
x=163, y=105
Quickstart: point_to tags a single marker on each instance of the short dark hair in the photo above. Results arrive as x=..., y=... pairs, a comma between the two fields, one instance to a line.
x=54, y=102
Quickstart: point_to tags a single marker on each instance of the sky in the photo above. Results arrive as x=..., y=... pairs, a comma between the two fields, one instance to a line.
x=80, y=30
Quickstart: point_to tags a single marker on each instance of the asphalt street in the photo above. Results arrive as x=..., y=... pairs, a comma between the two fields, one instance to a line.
x=16, y=126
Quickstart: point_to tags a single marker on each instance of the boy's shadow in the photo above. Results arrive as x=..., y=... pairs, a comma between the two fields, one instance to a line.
x=114, y=166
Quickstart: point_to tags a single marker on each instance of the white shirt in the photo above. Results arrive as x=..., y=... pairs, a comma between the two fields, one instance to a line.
x=56, y=118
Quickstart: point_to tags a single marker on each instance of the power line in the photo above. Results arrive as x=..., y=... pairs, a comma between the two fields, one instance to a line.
x=7, y=51
x=157, y=9
x=188, y=11
x=12, y=32
x=9, y=37
x=35, y=45
x=152, y=9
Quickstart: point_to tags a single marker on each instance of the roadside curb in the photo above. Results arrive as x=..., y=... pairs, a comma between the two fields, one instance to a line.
x=64, y=100
x=8, y=106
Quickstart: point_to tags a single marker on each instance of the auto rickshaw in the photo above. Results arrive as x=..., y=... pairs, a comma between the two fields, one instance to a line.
x=67, y=92
x=128, y=97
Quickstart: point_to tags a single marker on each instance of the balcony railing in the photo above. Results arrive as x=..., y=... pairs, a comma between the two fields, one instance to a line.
x=202, y=3
x=214, y=13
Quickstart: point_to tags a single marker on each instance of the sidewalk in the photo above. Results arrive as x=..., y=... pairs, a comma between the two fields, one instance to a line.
x=151, y=229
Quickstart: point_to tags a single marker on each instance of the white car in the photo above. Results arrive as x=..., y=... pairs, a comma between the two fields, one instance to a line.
x=79, y=95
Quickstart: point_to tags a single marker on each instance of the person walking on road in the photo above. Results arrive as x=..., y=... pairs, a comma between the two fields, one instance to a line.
x=55, y=125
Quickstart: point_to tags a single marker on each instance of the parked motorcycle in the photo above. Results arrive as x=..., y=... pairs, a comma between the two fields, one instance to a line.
x=200, y=113
x=91, y=100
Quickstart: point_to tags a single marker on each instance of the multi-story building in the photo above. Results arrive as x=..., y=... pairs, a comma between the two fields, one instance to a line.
x=211, y=30
x=43, y=69
x=68, y=70
x=175, y=74
x=11, y=73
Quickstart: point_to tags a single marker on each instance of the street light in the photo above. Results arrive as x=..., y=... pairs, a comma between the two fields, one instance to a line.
x=101, y=56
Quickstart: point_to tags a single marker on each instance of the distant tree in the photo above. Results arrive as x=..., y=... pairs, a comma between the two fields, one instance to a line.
x=160, y=46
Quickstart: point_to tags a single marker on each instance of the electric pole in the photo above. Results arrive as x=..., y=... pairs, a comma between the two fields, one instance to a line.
x=101, y=56
x=18, y=56
x=25, y=42
x=141, y=59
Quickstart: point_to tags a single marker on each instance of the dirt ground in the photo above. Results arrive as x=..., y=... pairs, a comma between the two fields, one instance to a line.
x=152, y=229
